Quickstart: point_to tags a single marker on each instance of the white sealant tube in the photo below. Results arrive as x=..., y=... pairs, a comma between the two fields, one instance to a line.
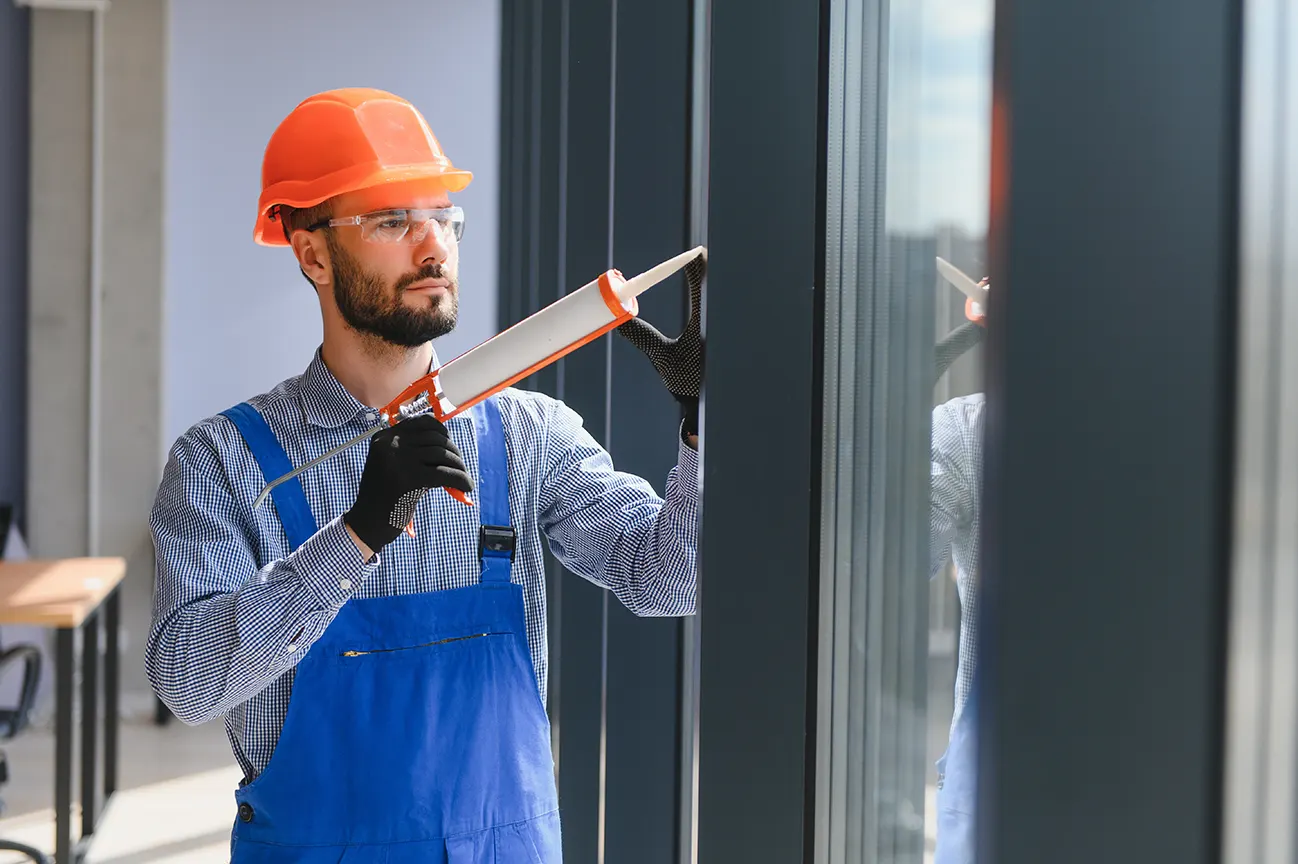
x=538, y=340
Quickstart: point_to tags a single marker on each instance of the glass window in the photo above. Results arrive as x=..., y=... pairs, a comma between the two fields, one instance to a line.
x=908, y=201
x=1262, y=701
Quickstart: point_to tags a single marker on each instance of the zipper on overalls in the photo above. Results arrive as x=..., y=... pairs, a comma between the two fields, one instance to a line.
x=417, y=647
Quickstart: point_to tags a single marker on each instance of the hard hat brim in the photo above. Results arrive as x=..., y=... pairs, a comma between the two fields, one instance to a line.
x=411, y=179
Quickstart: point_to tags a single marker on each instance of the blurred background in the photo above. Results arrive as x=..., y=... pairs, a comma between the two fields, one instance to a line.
x=1084, y=488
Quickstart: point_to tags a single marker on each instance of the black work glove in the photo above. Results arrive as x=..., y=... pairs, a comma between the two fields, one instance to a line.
x=404, y=462
x=679, y=361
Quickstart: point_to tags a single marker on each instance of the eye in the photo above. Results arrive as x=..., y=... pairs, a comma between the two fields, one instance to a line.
x=392, y=224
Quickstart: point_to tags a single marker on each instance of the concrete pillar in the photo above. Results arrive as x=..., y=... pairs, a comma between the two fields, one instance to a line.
x=60, y=428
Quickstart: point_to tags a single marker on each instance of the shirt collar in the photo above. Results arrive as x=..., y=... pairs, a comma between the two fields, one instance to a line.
x=325, y=401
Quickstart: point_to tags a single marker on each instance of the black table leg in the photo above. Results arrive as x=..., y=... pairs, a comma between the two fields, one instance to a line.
x=63, y=708
x=89, y=723
x=112, y=680
x=161, y=713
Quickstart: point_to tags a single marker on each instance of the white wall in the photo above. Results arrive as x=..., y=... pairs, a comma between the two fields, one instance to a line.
x=240, y=317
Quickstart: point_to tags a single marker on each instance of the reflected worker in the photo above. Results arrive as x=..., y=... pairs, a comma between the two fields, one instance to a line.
x=385, y=693
x=956, y=471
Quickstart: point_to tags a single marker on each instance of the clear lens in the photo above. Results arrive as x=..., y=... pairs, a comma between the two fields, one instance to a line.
x=412, y=226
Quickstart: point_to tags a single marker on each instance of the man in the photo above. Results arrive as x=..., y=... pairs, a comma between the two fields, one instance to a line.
x=956, y=456
x=384, y=693
x=956, y=469
x=956, y=476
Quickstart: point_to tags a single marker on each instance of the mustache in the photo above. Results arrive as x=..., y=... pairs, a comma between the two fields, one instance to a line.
x=428, y=271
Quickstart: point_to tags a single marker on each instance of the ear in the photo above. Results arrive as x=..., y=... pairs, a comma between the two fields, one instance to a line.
x=312, y=255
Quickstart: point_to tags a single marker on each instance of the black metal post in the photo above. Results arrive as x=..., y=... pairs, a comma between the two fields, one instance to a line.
x=89, y=723
x=64, y=663
x=584, y=115
x=650, y=222
x=112, y=681
x=1111, y=349
x=762, y=401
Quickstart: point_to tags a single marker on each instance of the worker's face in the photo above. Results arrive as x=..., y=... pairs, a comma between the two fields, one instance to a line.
x=402, y=293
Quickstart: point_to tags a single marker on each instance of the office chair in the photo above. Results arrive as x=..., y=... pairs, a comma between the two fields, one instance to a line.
x=14, y=720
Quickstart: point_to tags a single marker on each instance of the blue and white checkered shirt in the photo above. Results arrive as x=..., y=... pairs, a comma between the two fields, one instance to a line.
x=234, y=610
x=956, y=458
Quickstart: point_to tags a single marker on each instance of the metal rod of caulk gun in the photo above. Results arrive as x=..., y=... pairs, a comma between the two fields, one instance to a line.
x=257, y=502
x=413, y=408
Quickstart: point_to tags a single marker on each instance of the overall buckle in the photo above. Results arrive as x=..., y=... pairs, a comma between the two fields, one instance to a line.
x=497, y=541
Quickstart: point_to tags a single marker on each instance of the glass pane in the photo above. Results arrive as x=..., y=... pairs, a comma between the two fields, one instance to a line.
x=908, y=163
x=1262, y=706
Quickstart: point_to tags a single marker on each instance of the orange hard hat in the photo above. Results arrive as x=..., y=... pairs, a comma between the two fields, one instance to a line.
x=346, y=141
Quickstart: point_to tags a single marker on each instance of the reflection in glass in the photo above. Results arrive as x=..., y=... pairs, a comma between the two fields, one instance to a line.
x=907, y=174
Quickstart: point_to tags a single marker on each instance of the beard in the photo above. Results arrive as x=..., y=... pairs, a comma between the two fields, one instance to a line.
x=370, y=307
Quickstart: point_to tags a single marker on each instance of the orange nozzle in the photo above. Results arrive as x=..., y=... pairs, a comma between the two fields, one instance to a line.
x=977, y=315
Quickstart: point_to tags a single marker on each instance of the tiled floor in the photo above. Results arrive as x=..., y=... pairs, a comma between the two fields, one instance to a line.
x=175, y=804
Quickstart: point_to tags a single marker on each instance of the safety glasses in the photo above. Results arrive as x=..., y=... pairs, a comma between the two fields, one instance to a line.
x=403, y=226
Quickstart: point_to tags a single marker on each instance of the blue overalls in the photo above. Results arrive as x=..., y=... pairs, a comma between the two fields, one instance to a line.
x=415, y=731
x=957, y=792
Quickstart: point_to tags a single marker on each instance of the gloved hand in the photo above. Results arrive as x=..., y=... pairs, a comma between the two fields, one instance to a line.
x=679, y=361
x=404, y=462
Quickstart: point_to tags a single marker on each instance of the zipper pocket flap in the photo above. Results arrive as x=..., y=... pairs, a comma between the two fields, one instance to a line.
x=363, y=652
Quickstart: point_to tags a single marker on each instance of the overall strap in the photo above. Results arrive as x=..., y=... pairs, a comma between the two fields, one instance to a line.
x=290, y=500
x=496, y=537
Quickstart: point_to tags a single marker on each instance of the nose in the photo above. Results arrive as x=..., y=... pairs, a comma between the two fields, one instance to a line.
x=434, y=247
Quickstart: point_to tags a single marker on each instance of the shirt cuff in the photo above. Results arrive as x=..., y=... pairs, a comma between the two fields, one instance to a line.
x=330, y=565
x=687, y=462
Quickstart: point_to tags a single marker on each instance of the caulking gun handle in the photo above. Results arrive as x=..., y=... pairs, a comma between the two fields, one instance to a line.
x=425, y=385
x=456, y=494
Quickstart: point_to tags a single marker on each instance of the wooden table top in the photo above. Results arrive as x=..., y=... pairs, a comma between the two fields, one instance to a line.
x=59, y=592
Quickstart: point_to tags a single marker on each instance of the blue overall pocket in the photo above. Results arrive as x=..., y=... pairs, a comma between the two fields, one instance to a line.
x=534, y=841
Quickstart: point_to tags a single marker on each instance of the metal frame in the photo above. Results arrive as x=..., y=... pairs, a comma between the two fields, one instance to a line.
x=762, y=426
x=585, y=240
x=650, y=193
x=556, y=112
x=1110, y=379
x=595, y=171
x=691, y=628
x=1262, y=745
